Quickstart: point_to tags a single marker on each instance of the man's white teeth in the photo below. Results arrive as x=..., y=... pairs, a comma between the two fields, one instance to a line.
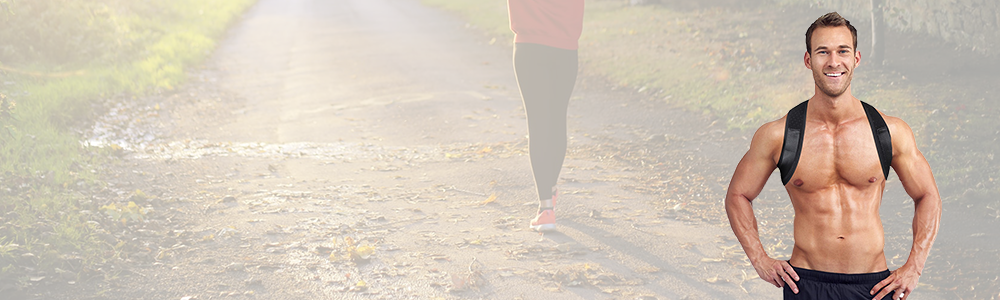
x=834, y=74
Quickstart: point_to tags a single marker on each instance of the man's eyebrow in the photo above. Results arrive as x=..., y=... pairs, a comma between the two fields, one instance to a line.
x=827, y=48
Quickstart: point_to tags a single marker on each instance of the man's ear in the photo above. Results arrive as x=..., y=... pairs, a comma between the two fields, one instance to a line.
x=857, y=58
x=806, y=61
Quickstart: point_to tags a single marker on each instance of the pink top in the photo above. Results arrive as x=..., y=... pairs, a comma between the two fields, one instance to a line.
x=554, y=23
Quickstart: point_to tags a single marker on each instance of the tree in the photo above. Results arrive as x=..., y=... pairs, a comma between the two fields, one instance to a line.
x=878, y=33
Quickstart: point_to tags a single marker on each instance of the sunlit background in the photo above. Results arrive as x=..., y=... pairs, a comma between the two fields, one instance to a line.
x=279, y=149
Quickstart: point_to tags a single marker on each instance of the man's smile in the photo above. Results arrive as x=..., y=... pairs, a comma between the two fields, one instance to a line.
x=834, y=74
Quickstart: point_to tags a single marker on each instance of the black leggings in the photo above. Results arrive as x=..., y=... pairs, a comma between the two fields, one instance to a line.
x=545, y=76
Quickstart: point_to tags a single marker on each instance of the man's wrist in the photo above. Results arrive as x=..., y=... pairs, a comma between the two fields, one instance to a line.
x=918, y=268
x=755, y=259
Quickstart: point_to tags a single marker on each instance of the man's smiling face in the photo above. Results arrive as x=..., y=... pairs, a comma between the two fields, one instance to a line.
x=832, y=60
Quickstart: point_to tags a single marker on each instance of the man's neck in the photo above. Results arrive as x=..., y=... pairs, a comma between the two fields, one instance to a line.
x=834, y=110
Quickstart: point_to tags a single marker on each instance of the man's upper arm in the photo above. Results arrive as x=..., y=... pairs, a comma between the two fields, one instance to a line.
x=910, y=165
x=759, y=162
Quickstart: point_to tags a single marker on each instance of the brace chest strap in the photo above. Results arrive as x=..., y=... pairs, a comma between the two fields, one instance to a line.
x=795, y=125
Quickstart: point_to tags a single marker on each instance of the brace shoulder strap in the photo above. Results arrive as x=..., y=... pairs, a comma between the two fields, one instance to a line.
x=795, y=125
x=883, y=141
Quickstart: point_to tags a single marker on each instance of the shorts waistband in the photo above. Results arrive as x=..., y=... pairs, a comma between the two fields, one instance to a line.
x=862, y=278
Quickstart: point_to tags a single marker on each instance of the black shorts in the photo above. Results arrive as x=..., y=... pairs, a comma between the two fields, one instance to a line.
x=825, y=285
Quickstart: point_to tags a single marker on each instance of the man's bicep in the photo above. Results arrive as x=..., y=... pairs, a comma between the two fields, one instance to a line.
x=756, y=166
x=751, y=175
x=910, y=165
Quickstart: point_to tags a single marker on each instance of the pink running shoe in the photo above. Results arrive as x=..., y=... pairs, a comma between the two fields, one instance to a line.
x=546, y=218
x=544, y=221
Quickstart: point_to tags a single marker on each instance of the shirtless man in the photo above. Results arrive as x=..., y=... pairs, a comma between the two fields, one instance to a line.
x=835, y=185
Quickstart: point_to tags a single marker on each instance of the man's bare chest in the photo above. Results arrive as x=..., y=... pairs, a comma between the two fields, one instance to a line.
x=846, y=156
x=825, y=155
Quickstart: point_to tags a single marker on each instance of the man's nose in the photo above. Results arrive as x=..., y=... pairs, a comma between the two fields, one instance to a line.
x=834, y=61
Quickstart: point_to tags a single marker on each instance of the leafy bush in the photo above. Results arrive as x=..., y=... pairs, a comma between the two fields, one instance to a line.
x=62, y=31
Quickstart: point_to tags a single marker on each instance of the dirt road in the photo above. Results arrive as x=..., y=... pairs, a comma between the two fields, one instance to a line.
x=376, y=149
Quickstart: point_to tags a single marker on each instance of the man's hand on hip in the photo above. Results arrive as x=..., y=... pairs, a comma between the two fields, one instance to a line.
x=777, y=272
x=902, y=281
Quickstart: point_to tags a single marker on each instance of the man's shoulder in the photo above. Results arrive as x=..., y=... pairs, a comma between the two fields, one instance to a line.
x=895, y=124
x=900, y=134
x=774, y=127
x=771, y=133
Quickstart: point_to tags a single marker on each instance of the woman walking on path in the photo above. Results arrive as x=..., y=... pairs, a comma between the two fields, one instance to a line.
x=546, y=37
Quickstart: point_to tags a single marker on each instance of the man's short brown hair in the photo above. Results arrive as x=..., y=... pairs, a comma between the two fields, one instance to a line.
x=832, y=19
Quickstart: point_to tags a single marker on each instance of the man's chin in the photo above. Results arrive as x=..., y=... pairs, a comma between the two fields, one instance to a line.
x=832, y=93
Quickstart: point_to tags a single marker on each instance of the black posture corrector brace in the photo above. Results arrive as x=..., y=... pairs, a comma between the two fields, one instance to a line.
x=795, y=125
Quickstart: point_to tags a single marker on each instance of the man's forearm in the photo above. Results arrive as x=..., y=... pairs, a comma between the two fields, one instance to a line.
x=926, y=220
x=744, y=224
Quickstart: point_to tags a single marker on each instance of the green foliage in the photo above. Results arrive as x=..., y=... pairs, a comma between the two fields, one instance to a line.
x=489, y=15
x=6, y=107
x=57, y=58
x=61, y=31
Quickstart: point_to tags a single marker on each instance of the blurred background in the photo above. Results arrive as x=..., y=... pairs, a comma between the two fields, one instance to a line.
x=933, y=63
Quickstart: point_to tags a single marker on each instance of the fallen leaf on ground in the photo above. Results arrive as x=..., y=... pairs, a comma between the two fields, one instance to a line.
x=360, y=286
x=491, y=199
x=363, y=252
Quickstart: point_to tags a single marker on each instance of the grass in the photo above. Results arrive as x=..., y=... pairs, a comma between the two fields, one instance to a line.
x=50, y=223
